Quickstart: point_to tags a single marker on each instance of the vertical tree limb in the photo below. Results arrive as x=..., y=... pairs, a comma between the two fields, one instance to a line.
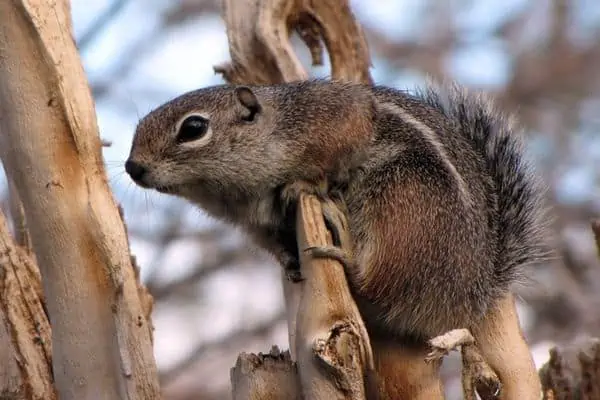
x=332, y=344
x=51, y=150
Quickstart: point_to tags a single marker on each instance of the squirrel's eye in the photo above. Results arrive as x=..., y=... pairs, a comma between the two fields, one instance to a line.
x=192, y=128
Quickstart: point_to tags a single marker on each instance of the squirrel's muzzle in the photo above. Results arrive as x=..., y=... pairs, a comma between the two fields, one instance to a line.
x=136, y=171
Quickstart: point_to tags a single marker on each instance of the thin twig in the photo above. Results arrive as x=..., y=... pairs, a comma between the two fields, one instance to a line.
x=220, y=344
x=223, y=261
x=99, y=25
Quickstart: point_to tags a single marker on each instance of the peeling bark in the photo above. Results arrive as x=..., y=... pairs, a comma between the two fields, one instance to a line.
x=25, y=349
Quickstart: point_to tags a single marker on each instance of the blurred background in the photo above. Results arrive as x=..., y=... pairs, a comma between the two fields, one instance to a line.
x=215, y=296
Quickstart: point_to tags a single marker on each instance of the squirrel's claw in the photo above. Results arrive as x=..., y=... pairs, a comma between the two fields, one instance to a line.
x=332, y=252
x=293, y=275
x=291, y=266
x=334, y=215
x=335, y=220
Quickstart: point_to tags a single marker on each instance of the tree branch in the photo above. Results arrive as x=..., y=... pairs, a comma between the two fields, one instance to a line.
x=51, y=150
x=265, y=376
x=224, y=343
x=100, y=23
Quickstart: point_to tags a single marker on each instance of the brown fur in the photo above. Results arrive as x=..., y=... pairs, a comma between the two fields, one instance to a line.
x=442, y=207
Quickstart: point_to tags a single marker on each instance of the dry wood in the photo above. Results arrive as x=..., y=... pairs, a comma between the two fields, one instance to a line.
x=270, y=376
x=260, y=49
x=25, y=350
x=51, y=150
x=477, y=376
x=331, y=340
x=574, y=371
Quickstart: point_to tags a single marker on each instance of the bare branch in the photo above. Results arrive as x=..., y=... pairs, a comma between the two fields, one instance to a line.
x=100, y=23
x=261, y=51
x=332, y=344
x=223, y=260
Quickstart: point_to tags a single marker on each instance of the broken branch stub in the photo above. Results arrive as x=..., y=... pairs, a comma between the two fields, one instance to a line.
x=270, y=376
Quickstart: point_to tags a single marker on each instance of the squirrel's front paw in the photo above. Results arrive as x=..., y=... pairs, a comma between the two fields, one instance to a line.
x=290, y=193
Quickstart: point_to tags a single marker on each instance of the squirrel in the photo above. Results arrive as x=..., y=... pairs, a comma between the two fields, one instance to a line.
x=444, y=210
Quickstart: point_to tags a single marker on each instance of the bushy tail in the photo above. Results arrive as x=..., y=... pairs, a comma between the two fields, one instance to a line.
x=522, y=219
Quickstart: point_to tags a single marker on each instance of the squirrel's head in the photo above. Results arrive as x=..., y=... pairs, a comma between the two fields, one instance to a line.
x=223, y=142
x=218, y=139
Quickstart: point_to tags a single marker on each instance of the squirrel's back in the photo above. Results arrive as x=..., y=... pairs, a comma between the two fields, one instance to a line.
x=519, y=192
x=447, y=212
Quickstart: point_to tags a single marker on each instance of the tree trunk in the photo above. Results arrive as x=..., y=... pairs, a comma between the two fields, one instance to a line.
x=51, y=151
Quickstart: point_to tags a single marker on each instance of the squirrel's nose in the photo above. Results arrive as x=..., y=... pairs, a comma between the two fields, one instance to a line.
x=135, y=170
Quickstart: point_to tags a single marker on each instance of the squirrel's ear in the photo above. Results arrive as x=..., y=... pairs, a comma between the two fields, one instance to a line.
x=248, y=99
